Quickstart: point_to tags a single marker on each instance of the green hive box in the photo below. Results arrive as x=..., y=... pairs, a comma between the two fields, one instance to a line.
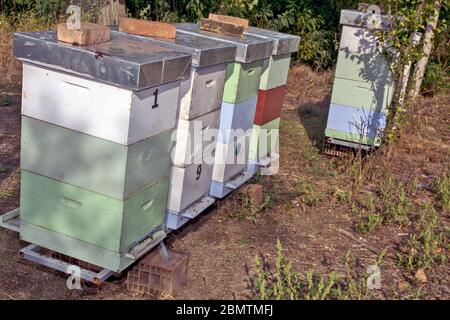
x=370, y=68
x=99, y=165
x=61, y=211
x=275, y=71
x=242, y=81
x=363, y=81
x=361, y=95
x=257, y=153
x=353, y=137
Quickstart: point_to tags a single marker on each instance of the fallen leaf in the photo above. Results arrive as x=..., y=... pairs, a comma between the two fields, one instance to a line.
x=421, y=276
x=403, y=285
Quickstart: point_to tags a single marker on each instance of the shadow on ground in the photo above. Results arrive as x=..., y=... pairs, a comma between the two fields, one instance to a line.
x=313, y=117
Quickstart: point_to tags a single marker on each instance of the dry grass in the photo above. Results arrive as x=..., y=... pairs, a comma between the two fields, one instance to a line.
x=10, y=68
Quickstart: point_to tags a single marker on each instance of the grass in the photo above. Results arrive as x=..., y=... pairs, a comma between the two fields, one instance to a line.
x=10, y=69
x=6, y=101
x=5, y=194
x=391, y=204
x=244, y=242
x=286, y=283
x=394, y=201
x=243, y=207
x=427, y=244
x=441, y=188
x=369, y=223
x=308, y=194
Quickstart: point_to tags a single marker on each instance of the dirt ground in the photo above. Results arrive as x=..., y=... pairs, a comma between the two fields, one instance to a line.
x=314, y=229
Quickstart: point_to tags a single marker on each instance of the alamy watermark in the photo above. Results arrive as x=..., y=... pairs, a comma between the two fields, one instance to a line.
x=74, y=280
x=374, y=279
x=74, y=17
x=211, y=146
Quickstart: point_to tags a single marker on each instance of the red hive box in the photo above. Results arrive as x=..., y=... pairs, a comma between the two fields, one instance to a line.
x=270, y=104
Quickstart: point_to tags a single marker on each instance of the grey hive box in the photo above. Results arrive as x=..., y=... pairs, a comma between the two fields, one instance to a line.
x=96, y=140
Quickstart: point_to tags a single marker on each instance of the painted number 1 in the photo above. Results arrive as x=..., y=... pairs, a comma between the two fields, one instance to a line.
x=155, y=104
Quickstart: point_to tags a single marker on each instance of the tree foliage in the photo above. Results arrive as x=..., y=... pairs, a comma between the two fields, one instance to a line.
x=315, y=21
x=402, y=41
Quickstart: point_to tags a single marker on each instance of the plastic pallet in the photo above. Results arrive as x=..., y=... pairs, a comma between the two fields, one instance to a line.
x=155, y=276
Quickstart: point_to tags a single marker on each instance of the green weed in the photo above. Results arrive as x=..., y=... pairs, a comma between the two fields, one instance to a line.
x=243, y=207
x=390, y=205
x=285, y=283
x=6, y=101
x=369, y=223
x=441, y=188
x=342, y=196
x=310, y=197
x=395, y=202
x=427, y=244
x=5, y=194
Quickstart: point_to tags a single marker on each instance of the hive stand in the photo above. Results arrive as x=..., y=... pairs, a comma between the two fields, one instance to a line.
x=11, y=220
x=158, y=273
x=36, y=254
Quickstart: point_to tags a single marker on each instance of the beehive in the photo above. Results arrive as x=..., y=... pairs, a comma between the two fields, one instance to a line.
x=96, y=139
x=363, y=85
x=271, y=95
x=239, y=99
x=196, y=136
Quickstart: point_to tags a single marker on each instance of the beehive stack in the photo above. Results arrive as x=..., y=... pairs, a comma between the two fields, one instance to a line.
x=238, y=107
x=264, y=141
x=96, y=142
x=363, y=85
x=196, y=138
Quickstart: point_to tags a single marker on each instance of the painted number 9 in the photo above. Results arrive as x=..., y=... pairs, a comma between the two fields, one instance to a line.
x=199, y=172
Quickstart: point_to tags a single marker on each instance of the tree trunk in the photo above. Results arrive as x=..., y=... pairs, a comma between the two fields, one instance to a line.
x=110, y=11
x=402, y=68
x=419, y=70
